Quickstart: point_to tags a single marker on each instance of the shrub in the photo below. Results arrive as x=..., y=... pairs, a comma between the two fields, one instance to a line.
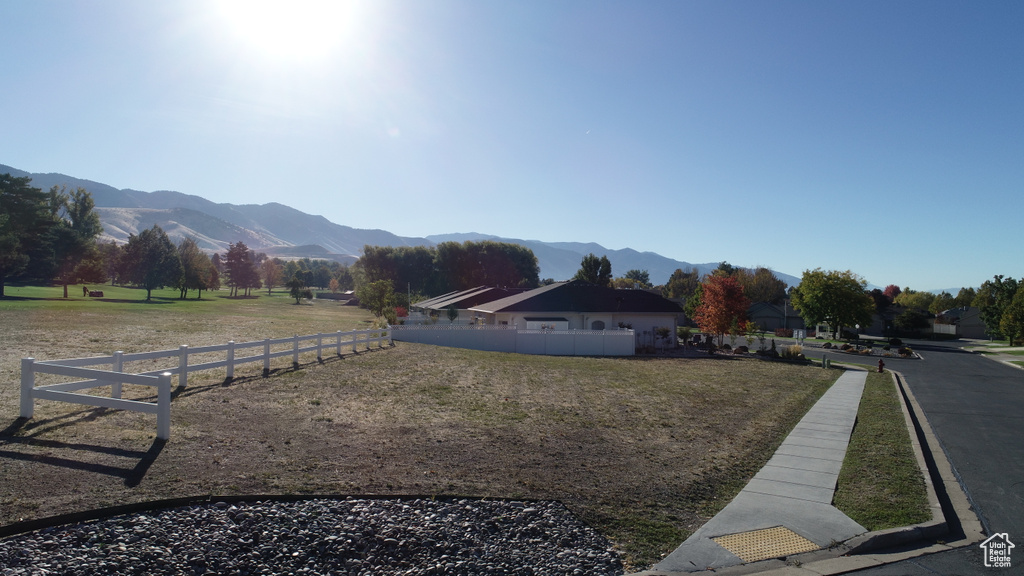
x=793, y=352
x=726, y=347
x=865, y=351
x=827, y=345
x=895, y=342
x=741, y=350
x=683, y=332
x=905, y=352
x=846, y=347
x=784, y=332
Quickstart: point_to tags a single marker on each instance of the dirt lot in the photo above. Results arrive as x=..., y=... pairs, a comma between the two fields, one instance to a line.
x=644, y=449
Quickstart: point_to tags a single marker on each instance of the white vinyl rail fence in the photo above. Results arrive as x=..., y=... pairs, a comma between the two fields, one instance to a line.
x=509, y=338
x=115, y=377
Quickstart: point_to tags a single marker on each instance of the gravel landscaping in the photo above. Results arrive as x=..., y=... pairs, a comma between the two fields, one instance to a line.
x=322, y=536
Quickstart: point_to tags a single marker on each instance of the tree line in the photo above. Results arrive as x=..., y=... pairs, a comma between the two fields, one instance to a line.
x=449, y=266
x=51, y=236
x=150, y=260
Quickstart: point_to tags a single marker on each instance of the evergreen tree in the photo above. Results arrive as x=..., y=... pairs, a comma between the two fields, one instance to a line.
x=240, y=266
x=24, y=218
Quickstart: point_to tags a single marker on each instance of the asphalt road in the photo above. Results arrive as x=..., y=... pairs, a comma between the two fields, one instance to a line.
x=976, y=408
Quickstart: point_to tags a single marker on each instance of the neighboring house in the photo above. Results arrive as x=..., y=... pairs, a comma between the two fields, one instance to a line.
x=578, y=305
x=463, y=300
x=770, y=317
x=967, y=320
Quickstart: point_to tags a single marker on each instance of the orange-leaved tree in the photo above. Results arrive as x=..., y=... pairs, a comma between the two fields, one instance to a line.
x=723, y=307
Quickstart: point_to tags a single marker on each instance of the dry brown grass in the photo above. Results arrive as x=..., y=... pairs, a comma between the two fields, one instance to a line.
x=645, y=449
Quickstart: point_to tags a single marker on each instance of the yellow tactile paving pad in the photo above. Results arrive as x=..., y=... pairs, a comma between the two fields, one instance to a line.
x=763, y=544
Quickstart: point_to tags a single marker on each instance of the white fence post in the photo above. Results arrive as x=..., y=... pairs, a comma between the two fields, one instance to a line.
x=295, y=352
x=163, y=402
x=266, y=357
x=28, y=382
x=355, y=338
x=230, y=373
x=339, y=342
x=118, y=366
x=183, y=365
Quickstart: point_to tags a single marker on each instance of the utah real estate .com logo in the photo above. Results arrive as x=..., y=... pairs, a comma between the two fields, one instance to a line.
x=997, y=550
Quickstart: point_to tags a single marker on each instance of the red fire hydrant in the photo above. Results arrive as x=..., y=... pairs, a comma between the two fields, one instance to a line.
x=880, y=365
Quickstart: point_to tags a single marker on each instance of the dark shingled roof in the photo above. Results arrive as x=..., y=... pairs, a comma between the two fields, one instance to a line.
x=579, y=296
x=468, y=298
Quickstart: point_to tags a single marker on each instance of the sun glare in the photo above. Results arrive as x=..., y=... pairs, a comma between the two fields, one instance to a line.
x=289, y=30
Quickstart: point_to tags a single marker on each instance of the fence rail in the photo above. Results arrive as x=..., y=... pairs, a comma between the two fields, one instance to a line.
x=116, y=376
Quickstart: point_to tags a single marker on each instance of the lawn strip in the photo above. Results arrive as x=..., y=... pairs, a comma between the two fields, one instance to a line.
x=880, y=485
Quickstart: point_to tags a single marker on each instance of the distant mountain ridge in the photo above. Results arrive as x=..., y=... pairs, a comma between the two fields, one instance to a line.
x=283, y=231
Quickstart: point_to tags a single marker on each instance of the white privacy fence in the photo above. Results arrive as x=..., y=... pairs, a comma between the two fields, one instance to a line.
x=503, y=338
x=234, y=354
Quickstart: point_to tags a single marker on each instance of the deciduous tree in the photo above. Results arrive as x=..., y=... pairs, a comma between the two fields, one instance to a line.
x=152, y=260
x=681, y=284
x=834, y=298
x=641, y=278
x=272, y=272
x=915, y=299
x=197, y=268
x=892, y=291
x=74, y=234
x=965, y=297
x=761, y=285
x=376, y=297
x=992, y=298
x=942, y=302
x=595, y=270
x=1012, y=321
x=911, y=320
x=723, y=306
x=297, y=288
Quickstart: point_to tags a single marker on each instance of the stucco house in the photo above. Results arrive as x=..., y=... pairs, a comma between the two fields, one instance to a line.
x=578, y=305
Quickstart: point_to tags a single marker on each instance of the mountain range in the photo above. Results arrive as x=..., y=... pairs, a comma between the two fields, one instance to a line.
x=285, y=232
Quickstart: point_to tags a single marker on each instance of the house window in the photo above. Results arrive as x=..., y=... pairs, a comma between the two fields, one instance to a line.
x=597, y=325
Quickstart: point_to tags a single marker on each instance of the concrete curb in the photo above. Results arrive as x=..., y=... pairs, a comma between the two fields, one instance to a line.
x=894, y=544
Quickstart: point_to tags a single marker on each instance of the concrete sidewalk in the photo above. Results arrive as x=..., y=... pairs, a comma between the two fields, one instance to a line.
x=787, y=507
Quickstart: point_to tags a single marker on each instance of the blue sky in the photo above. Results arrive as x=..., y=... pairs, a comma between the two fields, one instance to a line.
x=886, y=138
